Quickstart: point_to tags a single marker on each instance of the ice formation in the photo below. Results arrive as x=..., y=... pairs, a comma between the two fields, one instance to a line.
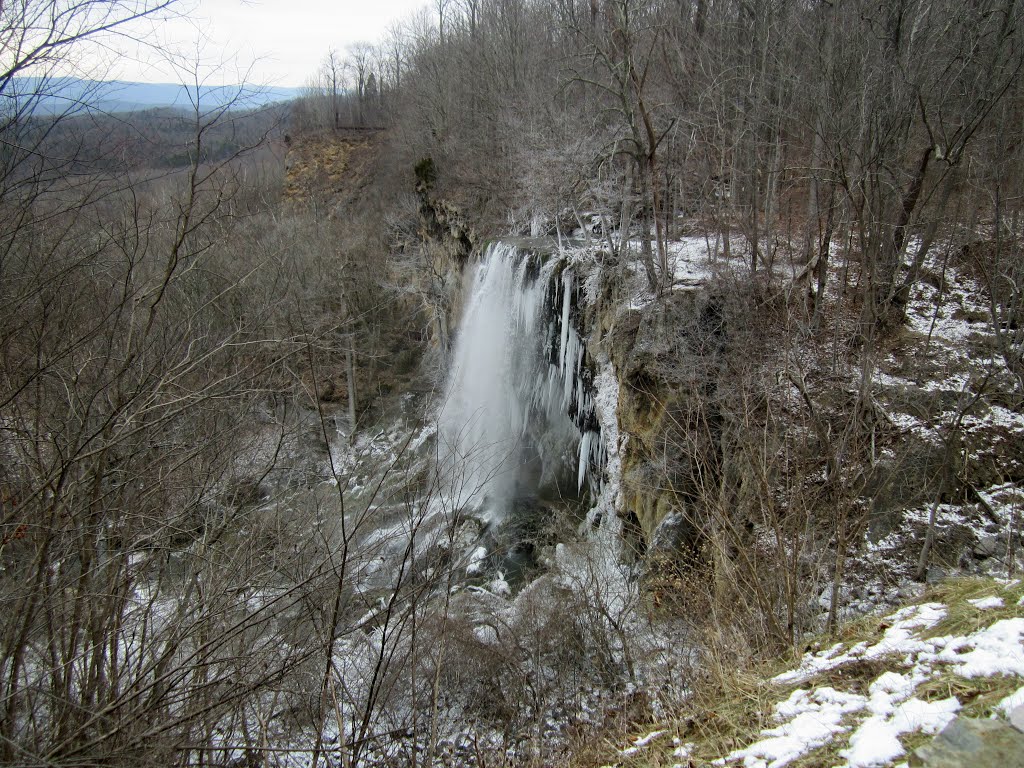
x=518, y=371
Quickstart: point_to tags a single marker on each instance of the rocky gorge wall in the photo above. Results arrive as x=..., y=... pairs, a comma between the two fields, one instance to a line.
x=666, y=356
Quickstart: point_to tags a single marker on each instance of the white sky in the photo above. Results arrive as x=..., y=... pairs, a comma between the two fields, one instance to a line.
x=264, y=42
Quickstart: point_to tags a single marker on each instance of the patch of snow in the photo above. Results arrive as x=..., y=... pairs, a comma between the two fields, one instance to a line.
x=996, y=650
x=887, y=380
x=943, y=322
x=897, y=639
x=997, y=416
x=912, y=425
x=688, y=261
x=1011, y=702
x=889, y=688
x=985, y=603
x=957, y=382
x=925, y=716
x=814, y=718
x=876, y=742
x=813, y=664
x=945, y=514
x=643, y=741
x=1004, y=500
x=683, y=752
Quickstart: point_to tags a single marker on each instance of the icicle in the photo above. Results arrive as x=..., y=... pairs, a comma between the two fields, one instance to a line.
x=509, y=362
x=584, y=461
x=566, y=305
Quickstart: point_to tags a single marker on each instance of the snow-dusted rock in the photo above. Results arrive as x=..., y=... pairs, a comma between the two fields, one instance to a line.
x=974, y=742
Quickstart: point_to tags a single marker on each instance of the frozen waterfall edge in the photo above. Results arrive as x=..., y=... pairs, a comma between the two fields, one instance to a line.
x=520, y=367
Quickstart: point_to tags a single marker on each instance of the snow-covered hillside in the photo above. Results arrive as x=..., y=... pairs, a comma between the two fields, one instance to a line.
x=872, y=698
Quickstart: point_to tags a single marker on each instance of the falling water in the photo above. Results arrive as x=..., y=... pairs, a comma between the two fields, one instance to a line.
x=518, y=401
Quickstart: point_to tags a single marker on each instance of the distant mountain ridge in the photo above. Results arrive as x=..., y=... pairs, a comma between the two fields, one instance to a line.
x=60, y=95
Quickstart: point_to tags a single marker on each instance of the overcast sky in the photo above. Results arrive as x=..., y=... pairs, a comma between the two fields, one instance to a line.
x=283, y=41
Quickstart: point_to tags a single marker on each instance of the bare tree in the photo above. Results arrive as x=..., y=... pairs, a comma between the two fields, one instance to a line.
x=622, y=49
x=334, y=83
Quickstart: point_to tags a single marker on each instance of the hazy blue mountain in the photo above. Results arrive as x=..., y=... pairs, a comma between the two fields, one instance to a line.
x=121, y=96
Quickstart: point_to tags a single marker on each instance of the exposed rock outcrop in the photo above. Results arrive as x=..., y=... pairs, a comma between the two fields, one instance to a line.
x=667, y=356
x=968, y=741
x=332, y=169
x=447, y=241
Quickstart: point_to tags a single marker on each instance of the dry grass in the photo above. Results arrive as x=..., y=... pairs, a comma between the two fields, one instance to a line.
x=962, y=617
x=730, y=707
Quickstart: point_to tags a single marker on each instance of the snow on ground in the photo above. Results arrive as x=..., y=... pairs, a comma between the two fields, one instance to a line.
x=862, y=721
x=691, y=263
x=1011, y=702
x=984, y=603
x=932, y=370
x=935, y=369
x=641, y=742
x=870, y=725
x=959, y=315
x=898, y=638
x=876, y=741
x=689, y=260
x=995, y=650
x=810, y=719
x=1004, y=499
x=683, y=751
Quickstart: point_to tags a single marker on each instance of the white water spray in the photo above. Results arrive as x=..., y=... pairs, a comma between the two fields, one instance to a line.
x=516, y=373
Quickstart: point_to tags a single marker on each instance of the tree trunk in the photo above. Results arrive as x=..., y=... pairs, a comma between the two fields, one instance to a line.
x=350, y=370
x=891, y=253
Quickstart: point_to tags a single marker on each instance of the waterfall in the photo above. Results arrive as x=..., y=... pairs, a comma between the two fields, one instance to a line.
x=519, y=399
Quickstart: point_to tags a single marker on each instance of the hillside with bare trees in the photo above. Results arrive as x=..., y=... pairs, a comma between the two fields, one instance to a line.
x=548, y=374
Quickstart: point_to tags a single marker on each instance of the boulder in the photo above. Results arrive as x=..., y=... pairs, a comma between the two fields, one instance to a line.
x=1017, y=718
x=970, y=742
x=989, y=546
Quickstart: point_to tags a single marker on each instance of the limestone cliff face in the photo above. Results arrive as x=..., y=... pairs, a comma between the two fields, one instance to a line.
x=447, y=241
x=440, y=221
x=667, y=356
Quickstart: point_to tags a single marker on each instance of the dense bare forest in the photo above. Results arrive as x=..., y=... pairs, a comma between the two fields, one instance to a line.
x=781, y=242
x=783, y=123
